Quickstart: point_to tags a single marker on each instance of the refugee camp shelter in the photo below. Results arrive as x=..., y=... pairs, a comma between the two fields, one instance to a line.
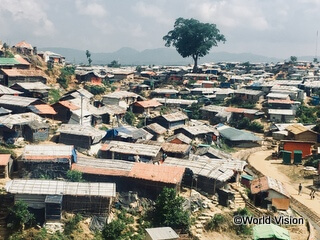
x=6, y=165
x=146, y=179
x=268, y=191
x=52, y=160
x=161, y=233
x=211, y=174
x=270, y=231
x=27, y=125
x=80, y=136
x=86, y=198
x=239, y=138
x=171, y=120
x=131, y=151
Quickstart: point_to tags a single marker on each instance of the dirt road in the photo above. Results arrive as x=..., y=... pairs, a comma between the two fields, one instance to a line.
x=274, y=169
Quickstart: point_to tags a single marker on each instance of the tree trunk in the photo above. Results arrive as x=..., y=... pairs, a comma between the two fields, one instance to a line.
x=195, y=66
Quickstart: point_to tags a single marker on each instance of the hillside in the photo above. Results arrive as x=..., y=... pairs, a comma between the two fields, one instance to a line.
x=158, y=56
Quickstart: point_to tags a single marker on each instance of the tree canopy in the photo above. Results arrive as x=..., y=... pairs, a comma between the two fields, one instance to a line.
x=88, y=54
x=169, y=211
x=192, y=38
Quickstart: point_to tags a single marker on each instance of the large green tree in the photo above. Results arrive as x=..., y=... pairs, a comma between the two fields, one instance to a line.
x=169, y=211
x=192, y=38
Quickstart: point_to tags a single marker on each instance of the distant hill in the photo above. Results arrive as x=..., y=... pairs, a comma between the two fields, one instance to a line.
x=158, y=56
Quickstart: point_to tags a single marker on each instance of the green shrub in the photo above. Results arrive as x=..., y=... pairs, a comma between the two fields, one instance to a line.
x=54, y=95
x=72, y=224
x=95, y=89
x=20, y=217
x=74, y=176
x=129, y=117
x=215, y=222
x=242, y=228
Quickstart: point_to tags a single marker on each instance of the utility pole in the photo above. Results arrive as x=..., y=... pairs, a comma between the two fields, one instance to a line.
x=81, y=117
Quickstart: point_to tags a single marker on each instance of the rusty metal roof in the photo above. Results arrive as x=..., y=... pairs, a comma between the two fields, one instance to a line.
x=24, y=44
x=266, y=183
x=24, y=73
x=69, y=105
x=148, y=103
x=150, y=172
x=42, y=109
x=4, y=159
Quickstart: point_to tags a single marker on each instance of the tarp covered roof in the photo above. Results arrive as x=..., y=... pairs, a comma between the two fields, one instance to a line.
x=270, y=231
x=234, y=134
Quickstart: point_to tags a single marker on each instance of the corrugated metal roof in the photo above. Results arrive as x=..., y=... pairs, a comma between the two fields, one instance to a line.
x=181, y=137
x=265, y=183
x=155, y=127
x=220, y=169
x=296, y=128
x=17, y=100
x=148, y=103
x=8, y=91
x=248, y=91
x=288, y=112
x=42, y=109
x=69, y=105
x=177, y=116
x=20, y=119
x=131, y=148
x=151, y=172
x=200, y=129
x=120, y=94
x=4, y=159
x=81, y=130
x=33, y=85
x=24, y=73
x=52, y=151
x=157, y=173
x=52, y=187
x=165, y=91
x=278, y=95
x=168, y=147
x=21, y=60
x=162, y=233
x=4, y=111
x=175, y=101
x=24, y=44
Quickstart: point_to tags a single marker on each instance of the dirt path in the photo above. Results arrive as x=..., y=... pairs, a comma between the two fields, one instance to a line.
x=272, y=168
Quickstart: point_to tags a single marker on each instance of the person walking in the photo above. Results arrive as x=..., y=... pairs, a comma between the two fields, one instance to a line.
x=300, y=189
x=312, y=194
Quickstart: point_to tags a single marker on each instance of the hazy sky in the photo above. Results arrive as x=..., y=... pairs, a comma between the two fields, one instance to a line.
x=275, y=28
